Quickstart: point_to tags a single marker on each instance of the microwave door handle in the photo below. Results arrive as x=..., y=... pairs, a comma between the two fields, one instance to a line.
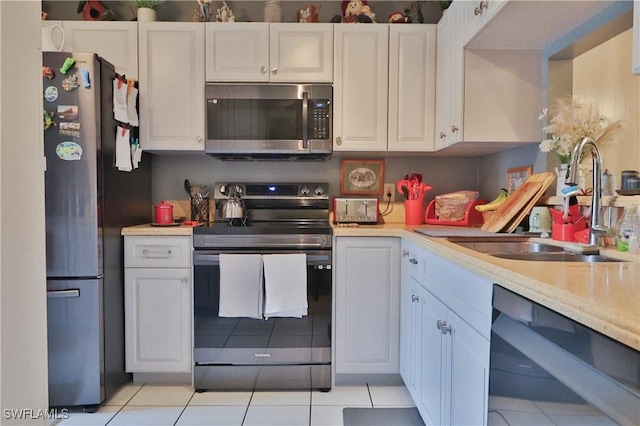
x=305, y=120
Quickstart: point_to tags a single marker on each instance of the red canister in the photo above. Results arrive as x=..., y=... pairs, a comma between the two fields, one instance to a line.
x=163, y=213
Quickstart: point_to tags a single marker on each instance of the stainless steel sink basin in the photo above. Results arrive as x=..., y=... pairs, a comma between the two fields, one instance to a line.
x=509, y=246
x=563, y=256
x=521, y=248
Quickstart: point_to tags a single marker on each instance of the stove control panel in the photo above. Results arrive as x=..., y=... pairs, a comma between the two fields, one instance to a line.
x=273, y=190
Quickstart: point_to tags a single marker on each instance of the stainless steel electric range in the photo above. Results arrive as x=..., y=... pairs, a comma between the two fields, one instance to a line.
x=236, y=351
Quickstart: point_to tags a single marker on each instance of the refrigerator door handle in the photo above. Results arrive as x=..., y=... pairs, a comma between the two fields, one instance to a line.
x=58, y=294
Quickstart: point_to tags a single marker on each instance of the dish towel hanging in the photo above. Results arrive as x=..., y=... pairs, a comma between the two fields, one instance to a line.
x=285, y=282
x=241, y=292
x=123, y=149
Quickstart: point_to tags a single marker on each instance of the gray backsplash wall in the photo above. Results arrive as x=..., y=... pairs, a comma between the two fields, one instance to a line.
x=170, y=171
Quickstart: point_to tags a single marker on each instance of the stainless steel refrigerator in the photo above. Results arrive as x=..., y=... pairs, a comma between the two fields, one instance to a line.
x=87, y=202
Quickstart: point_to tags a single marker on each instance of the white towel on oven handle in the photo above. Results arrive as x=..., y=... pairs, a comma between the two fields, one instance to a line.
x=285, y=285
x=241, y=289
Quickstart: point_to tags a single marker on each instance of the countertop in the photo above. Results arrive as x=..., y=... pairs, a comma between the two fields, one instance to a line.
x=603, y=296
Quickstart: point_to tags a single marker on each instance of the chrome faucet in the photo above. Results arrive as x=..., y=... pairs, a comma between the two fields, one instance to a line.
x=597, y=231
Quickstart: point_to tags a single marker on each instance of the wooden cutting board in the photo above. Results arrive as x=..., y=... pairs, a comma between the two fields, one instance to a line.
x=545, y=179
x=514, y=204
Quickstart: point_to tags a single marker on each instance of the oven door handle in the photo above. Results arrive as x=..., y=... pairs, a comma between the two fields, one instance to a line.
x=214, y=259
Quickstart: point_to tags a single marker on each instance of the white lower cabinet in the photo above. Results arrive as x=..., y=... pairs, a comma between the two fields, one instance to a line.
x=444, y=360
x=367, y=305
x=158, y=305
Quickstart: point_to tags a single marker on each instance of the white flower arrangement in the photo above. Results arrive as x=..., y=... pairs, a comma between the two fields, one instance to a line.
x=573, y=120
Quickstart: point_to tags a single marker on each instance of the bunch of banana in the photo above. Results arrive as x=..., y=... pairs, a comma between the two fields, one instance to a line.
x=497, y=202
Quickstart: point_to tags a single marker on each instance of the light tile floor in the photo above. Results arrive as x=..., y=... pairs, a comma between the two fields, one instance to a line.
x=178, y=405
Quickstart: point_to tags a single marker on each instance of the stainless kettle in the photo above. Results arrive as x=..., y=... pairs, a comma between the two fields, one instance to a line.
x=232, y=207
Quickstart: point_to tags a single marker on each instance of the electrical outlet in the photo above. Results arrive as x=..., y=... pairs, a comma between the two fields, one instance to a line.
x=389, y=188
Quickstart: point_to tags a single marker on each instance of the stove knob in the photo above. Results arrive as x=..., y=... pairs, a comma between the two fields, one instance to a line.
x=319, y=190
x=304, y=190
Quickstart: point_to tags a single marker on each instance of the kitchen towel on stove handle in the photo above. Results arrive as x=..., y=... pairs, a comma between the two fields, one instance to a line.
x=285, y=283
x=241, y=278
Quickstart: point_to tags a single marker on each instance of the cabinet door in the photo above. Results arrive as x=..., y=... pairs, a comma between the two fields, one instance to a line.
x=433, y=360
x=237, y=51
x=360, y=89
x=478, y=14
x=412, y=79
x=301, y=53
x=367, y=283
x=117, y=42
x=171, y=86
x=468, y=402
x=158, y=320
x=450, y=77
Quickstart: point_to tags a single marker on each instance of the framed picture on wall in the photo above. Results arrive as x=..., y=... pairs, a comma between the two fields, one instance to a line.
x=517, y=176
x=362, y=177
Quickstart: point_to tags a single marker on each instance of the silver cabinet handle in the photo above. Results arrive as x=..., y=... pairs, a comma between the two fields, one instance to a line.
x=63, y=294
x=199, y=139
x=152, y=254
x=446, y=328
x=274, y=70
x=454, y=128
x=415, y=298
x=440, y=324
x=405, y=253
x=414, y=261
x=338, y=141
x=442, y=135
x=477, y=11
x=263, y=69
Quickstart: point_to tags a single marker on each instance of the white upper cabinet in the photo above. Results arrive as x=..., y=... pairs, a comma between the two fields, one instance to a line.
x=237, y=51
x=450, y=77
x=360, y=89
x=301, y=52
x=115, y=41
x=636, y=37
x=412, y=79
x=263, y=52
x=479, y=13
x=171, y=86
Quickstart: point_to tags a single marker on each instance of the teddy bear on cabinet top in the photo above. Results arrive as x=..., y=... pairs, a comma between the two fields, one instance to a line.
x=357, y=11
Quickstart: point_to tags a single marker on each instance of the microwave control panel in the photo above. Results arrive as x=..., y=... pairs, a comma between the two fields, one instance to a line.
x=319, y=119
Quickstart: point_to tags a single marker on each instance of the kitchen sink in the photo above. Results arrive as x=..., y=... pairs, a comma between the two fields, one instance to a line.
x=521, y=248
x=563, y=256
x=509, y=246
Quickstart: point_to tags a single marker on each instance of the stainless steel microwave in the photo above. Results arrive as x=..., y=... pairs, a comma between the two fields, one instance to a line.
x=269, y=121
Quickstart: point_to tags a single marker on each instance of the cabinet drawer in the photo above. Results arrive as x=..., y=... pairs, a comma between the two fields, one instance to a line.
x=157, y=252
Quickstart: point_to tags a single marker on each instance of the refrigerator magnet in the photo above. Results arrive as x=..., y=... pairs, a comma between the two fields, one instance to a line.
x=86, y=81
x=51, y=93
x=47, y=119
x=70, y=128
x=68, y=112
x=47, y=72
x=70, y=83
x=69, y=151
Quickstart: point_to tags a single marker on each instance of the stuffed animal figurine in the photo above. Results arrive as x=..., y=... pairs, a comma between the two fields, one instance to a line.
x=357, y=11
x=308, y=13
x=397, y=17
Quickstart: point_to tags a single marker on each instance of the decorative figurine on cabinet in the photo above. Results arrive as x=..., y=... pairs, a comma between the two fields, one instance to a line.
x=397, y=17
x=308, y=13
x=204, y=11
x=225, y=14
x=357, y=11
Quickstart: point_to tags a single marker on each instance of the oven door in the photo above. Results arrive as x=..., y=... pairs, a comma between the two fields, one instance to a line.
x=246, y=353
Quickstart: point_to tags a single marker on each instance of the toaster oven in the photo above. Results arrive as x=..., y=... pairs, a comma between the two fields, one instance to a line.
x=356, y=210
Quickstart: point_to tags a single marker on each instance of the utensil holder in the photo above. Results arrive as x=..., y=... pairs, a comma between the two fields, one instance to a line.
x=414, y=212
x=200, y=209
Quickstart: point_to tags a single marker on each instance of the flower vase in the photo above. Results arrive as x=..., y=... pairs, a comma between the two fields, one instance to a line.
x=561, y=176
x=146, y=14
